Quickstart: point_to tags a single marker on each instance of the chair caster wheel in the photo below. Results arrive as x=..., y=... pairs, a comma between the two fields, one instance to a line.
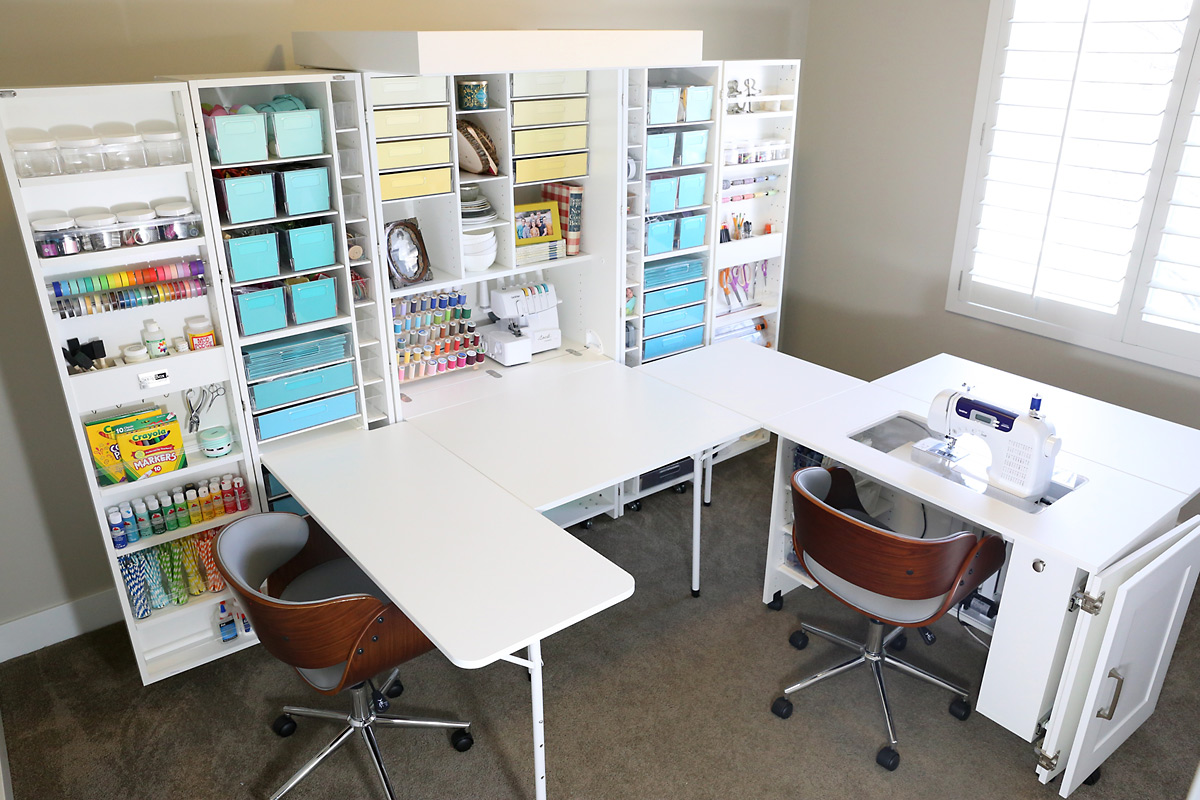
x=695, y=592
x=1093, y=779
x=636, y=505
x=776, y=603
x=898, y=644
x=395, y=690
x=462, y=740
x=888, y=758
x=782, y=707
x=960, y=708
x=681, y=488
x=587, y=524
x=379, y=702
x=284, y=725
x=798, y=640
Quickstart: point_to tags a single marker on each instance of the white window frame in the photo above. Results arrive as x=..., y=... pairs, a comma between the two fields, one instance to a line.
x=1125, y=335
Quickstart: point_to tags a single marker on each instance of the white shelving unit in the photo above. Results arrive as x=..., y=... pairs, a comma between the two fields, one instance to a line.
x=175, y=637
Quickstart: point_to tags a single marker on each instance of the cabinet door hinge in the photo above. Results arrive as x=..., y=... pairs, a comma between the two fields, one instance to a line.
x=1044, y=759
x=1081, y=600
x=7, y=93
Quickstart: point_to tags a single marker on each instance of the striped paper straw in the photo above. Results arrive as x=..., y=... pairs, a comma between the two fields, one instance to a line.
x=135, y=584
x=204, y=543
x=153, y=575
x=191, y=569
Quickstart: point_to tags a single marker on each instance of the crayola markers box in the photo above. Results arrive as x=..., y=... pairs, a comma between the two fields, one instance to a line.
x=102, y=441
x=151, y=447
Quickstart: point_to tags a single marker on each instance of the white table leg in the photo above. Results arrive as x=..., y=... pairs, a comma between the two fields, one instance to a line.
x=697, y=466
x=539, y=726
x=708, y=465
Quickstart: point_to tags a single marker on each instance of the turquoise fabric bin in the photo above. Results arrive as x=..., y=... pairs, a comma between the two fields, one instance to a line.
x=236, y=138
x=674, y=271
x=693, y=148
x=663, y=105
x=294, y=388
x=673, y=296
x=261, y=311
x=661, y=195
x=697, y=103
x=660, y=150
x=672, y=343
x=295, y=133
x=660, y=236
x=288, y=505
x=249, y=198
x=691, y=230
x=312, y=301
x=304, y=191
x=306, y=415
x=311, y=246
x=673, y=320
x=253, y=257
x=274, y=487
x=691, y=190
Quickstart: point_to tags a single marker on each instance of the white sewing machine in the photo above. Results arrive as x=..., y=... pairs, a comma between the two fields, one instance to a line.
x=1023, y=446
x=528, y=323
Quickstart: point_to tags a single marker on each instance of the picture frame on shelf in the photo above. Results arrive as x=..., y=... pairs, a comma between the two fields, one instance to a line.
x=408, y=261
x=536, y=222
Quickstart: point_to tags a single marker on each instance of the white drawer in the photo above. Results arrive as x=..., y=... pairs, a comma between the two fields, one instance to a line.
x=533, y=84
x=408, y=89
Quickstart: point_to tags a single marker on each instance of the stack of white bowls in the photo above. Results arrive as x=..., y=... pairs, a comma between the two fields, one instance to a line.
x=479, y=249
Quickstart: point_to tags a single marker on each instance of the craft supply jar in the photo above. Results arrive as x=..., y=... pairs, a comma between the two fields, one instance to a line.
x=139, y=227
x=176, y=221
x=745, y=152
x=729, y=153
x=124, y=151
x=98, y=231
x=56, y=236
x=36, y=158
x=472, y=95
x=164, y=147
x=81, y=154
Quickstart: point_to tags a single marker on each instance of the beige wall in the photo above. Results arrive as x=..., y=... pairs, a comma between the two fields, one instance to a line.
x=50, y=552
x=889, y=90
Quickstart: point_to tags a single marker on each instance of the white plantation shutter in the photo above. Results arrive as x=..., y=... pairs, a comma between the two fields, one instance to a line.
x=1068, y=227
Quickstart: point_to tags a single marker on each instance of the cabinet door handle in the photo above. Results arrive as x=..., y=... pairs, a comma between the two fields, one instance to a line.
x=1102, y=714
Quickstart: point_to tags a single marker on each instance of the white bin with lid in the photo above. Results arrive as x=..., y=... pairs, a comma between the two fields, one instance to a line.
x=99, y=231
x=138, y=226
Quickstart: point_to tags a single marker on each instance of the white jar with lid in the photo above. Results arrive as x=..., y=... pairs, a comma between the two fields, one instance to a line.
x=81, y=153
x=56, y=236
x=138, y=226
x=98, y=231
x=176, y=221
x=124, y=151
x=36, y=158
x=163, y=147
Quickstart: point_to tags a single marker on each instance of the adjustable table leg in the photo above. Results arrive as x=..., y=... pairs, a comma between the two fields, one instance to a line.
x=697, y=467
x=539, y=727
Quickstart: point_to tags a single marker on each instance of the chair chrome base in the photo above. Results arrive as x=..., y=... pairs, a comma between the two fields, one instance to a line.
x=362, y=719
x=873, y=652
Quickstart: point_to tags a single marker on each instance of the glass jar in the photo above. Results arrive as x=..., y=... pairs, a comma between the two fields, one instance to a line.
x=762, y=152
x=778, y=149
x=138, y=227
x=82, y=154
x=730, y=153
x=37, y=158
x=176, y=221
x=124, y=151
x=55, y=236
x=745, y=152
x=164, y=147
x=98, y=231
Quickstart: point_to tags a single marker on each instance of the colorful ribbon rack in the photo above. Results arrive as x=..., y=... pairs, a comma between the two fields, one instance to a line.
x=204, y=543
x=135, y=584
x=153, y=578
x=191, y=568
x=136, y=297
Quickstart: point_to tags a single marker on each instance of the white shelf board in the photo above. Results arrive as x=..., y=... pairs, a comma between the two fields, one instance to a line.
x=284, y=275
x=679, y=168
x=292, y=330
x=678, y=211
x=119, y=257
x=105, y=175
x=673, y=253
x=473, y=177
x=742, y=314
x=232, y=226
x=120, y=385
x=552, y=180
x=576, y=511
x=697, y=123
x=197, y=464
x=274, y=160
x=779, y=162
x=146, y=542
x=761, y=115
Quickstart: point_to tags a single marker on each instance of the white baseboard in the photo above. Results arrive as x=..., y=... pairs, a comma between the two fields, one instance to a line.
x=58, y=624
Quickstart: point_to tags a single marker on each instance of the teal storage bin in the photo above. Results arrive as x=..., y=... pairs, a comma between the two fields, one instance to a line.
x=691, y=230
x=663, y=105
x=672, y=343
x=673, y=296
x=674, y=271
x=673, y=320
x=697, y=103
x=249, y=198
x=304, y=191
x=312, y=301
x=306, y=415
x=294, y=388
x=693, y=148
x=661, y=195
x=274, y=487
x=236, y=138
x=288, y=505
x=691, y=190
x=311, y=246
x=660, y=150
x=660, y=236
x=295, y=133
x=261, y=311
x=253, y=257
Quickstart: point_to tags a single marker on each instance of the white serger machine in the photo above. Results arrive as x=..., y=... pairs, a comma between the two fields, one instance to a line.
x=528, y=323
x=1023, y=445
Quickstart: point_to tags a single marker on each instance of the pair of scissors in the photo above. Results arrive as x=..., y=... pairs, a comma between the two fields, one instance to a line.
x=741, y=278
x=723, y=279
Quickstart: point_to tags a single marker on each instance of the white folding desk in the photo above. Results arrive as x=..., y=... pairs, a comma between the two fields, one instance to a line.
x=551, y=442
x=523, y=578
x=1065, y=618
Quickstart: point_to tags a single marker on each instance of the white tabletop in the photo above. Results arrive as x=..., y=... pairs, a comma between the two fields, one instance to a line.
x=752, y=380
x=551, y=442
x=1093, y=525
x=476, y=569
x=1148, y=447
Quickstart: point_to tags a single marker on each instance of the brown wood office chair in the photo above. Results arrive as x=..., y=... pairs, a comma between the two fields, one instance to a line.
x=890, y=578
x=322, y=615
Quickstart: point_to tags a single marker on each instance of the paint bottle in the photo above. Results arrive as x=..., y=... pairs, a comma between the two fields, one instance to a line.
x=206, y=509
x=228, y=497
x=243, y=497
x=182, y=519
x=195, y=514
x=168, y=506
x=218, y=501
x=157, y=523
x=154, y=339
x=143, y=520
x=116, y=529
x=128, y=520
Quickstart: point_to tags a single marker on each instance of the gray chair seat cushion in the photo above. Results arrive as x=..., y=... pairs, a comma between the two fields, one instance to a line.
x=874, y=604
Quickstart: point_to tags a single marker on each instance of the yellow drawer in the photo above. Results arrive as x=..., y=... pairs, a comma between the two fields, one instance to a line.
x=550, y=168
x=549, y=112
x=532, y=84
x=411, y=122
x=407, y=90
x=398, y=185
x=413, y=153
x=548, y=140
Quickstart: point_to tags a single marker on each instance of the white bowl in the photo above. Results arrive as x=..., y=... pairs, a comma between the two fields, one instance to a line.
x=479, y=263
x=478, y=249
